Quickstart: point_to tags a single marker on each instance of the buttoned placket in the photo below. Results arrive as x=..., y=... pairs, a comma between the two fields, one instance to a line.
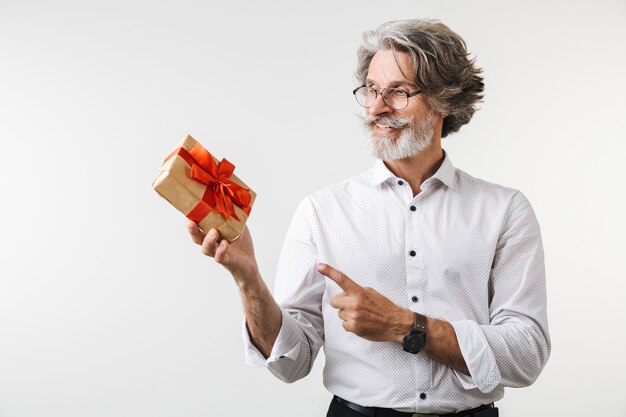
x=414, y=258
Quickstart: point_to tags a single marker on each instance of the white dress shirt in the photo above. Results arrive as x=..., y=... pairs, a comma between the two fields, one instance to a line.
x=462, y=250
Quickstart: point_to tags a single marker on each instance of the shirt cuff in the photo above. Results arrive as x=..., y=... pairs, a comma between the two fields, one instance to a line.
x=478, y=356
x=285, y=346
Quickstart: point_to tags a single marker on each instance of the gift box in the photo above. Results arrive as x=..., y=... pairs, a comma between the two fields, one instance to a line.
x=205, y=190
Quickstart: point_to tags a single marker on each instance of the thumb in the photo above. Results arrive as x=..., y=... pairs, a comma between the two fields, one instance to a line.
x=222, y=254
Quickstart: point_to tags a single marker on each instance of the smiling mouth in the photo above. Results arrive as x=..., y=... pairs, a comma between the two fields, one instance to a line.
x=386, y=127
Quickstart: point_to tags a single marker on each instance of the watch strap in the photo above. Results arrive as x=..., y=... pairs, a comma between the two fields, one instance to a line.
x=419, y=325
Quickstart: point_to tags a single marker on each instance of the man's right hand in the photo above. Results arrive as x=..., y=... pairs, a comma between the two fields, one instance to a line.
x=238, y=258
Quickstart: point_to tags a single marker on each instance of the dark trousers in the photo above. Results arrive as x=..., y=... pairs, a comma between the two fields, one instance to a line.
x=337, y=409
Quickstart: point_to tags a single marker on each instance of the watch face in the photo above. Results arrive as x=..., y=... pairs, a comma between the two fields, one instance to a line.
x=414, y=342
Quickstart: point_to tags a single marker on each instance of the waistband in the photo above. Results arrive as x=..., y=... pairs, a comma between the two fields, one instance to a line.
x=484, y=410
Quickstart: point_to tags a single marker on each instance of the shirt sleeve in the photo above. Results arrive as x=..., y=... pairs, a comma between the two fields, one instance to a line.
x=514, y=347
x=299, y=290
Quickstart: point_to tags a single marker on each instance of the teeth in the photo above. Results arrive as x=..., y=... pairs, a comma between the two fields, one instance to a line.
x=383, y=126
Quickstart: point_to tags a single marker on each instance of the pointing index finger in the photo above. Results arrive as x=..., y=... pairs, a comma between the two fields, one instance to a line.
x=339, y=277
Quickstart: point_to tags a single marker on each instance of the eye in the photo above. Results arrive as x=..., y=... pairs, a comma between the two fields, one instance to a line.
x=396, y=92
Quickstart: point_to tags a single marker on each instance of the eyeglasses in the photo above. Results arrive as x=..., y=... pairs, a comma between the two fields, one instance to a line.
x=395, y=98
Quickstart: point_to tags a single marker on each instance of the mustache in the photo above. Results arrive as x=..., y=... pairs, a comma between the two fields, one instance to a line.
x=396, y=122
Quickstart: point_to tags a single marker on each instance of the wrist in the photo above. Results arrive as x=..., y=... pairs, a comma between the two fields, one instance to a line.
x=405, y=325
x=250, y=283
x=245, y=273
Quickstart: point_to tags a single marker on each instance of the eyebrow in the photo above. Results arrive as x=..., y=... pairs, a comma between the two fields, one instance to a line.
x=394, y=83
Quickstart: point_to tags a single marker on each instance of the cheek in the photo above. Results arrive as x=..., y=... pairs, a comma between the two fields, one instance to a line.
x=418, y=108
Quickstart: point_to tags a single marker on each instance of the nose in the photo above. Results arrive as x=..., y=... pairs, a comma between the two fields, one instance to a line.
x=379, y=107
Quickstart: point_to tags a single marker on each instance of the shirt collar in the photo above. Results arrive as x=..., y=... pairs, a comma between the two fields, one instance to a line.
x=380, y=173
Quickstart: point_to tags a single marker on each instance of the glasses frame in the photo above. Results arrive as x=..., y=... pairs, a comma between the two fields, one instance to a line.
x=381, y=93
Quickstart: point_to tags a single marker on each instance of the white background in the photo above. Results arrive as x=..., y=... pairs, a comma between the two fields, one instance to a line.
x=106, y=306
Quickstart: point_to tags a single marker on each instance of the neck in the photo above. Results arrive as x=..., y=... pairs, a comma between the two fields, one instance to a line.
x=418, y=168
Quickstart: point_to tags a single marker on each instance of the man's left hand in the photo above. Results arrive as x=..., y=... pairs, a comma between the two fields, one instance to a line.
x=365, y=312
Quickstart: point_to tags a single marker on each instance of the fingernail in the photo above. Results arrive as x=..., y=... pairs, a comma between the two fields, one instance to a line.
x=212, y=233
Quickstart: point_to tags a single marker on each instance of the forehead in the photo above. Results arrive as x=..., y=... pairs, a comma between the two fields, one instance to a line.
x=388, y=67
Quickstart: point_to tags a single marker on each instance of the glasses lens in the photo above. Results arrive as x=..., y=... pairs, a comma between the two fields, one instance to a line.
x=396, y=98
x=361, y=96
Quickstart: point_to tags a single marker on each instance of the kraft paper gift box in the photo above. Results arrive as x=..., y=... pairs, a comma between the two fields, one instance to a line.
x=205, y=190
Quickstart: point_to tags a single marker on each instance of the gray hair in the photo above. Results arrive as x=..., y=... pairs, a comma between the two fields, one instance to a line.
x=451, y=82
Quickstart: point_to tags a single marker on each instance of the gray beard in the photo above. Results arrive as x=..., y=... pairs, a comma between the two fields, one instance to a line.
x=413, y=139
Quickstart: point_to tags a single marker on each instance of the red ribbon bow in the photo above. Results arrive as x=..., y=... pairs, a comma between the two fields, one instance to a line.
x=220, y=192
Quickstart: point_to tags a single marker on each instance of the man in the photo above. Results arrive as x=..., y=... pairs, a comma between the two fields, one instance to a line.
x=425, y=285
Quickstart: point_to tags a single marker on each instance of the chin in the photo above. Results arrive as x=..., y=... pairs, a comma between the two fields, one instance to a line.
x=391, y=148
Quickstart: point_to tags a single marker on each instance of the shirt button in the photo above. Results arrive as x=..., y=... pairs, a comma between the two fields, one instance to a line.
x=400, y=182
x=414, y=299
x=413, y=208
x=423, y=396
x=412, y=253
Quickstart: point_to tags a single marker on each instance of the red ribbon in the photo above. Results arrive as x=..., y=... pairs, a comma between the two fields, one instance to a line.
x=220, y=193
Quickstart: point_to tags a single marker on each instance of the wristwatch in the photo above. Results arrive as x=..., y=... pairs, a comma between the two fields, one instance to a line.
x=415, y=341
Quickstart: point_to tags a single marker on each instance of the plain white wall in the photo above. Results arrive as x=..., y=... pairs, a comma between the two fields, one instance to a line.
x=108, y=309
